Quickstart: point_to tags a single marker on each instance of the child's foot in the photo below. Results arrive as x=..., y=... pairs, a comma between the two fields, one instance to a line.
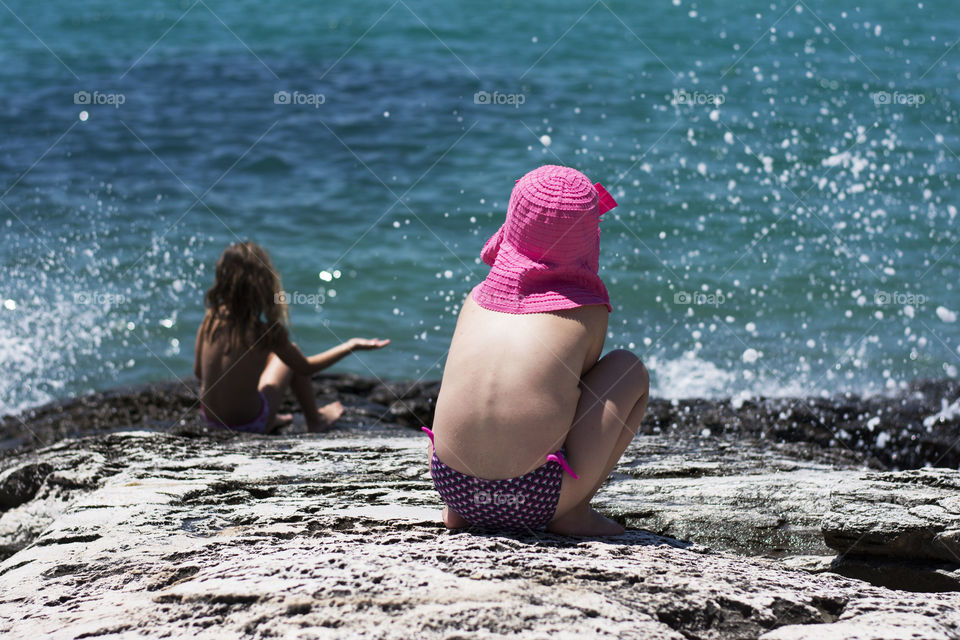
x=326, y=416
x=279, y=420
x=452, y=519
x=586, y=522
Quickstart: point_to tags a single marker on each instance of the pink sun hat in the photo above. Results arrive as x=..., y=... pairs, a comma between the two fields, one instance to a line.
x=546, y=255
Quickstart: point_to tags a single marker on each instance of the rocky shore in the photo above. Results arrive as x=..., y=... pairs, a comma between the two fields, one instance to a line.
x=122, y=515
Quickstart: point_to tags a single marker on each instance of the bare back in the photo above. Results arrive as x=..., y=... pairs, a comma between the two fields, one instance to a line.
x=229, y=379
x=511, y=386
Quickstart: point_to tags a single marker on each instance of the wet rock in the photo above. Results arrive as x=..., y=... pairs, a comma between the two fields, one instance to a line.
x=751, y=498
x=51, y=482
x=20, y=484
x=870, y=619
x=899, y=529
x=909, y=429
x=909, y=575
x=410, y=404
x=912, y=515
x=344, y=383
x=902, y=431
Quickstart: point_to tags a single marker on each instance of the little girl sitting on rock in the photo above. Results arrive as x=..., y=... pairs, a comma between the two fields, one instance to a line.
x=244, y=358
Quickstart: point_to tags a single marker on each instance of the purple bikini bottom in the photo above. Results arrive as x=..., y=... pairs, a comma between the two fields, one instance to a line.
x=525, y=502
x=257, y=425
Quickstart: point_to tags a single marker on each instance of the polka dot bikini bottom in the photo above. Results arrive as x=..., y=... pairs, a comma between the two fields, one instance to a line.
x=525, y=502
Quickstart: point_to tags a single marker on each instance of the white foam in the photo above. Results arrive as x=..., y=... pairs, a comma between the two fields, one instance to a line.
x=693, y=377
x=883, y=438
x=947, y=412
x=44, y=346
x=689, y=377
x=17, y=355
x=66, y=336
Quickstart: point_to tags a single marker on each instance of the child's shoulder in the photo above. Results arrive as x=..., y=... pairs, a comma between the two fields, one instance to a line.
x=220, y=327
x=593, y=318
x=588, y=311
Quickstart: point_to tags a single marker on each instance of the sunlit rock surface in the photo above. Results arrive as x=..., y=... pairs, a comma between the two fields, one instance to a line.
x=169, y=530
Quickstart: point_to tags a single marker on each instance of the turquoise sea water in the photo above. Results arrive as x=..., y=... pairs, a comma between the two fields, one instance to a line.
x=787, y=176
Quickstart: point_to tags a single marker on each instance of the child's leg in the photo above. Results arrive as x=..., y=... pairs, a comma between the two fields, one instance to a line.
x=612, y=404
x=274, y=381
x=317, y=419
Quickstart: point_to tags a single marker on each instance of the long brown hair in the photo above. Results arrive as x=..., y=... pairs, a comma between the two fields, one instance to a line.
x=246, y=299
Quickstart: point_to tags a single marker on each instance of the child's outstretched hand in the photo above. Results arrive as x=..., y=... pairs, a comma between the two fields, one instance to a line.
x=365, y=344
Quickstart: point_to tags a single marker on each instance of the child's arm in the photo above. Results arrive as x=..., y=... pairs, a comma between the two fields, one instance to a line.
x=291, y=355
x=197, y=354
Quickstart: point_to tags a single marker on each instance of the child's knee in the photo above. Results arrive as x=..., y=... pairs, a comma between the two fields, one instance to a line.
x=633, y=371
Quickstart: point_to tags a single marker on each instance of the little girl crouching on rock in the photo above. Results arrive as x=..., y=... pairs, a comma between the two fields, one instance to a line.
x=530, y=419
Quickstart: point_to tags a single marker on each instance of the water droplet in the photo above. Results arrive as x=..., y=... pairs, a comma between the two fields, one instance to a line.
x=946, y=315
